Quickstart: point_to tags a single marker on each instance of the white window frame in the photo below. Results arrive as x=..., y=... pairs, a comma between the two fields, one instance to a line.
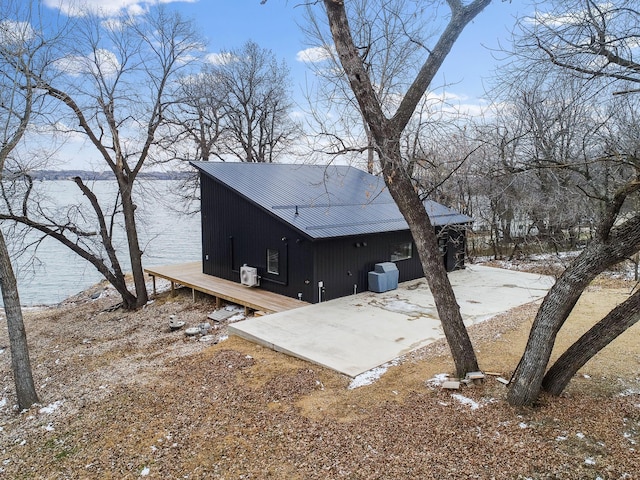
x=273, y=255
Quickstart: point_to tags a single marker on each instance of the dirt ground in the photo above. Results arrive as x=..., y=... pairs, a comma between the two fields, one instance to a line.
x=124, y=397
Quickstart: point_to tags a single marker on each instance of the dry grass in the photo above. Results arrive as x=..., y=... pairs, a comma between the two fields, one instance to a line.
x=136, y=399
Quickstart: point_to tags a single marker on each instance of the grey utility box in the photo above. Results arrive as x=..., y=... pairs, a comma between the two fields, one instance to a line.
x=384, y=277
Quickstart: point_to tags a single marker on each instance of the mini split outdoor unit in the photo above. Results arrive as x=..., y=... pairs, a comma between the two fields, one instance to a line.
x=249, y=276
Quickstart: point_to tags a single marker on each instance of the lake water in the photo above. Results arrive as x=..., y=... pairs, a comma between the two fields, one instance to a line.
x=166, y=236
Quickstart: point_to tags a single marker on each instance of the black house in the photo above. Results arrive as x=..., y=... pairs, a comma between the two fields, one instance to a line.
x=310, y=231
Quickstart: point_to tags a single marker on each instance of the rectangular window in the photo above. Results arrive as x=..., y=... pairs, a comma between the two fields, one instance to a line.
x=401, y=251
x=273, y=261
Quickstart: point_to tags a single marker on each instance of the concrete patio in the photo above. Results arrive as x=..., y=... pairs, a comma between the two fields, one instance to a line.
x=357, y=333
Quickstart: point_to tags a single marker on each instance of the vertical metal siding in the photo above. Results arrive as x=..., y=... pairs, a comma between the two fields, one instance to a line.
x=343, y=263
x=236, y=232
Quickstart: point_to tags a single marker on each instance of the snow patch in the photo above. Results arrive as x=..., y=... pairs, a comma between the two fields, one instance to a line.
x=629, y=392
x=145, y=471
x=466, y=401
x=438, y=380
x=370, y=376
x=52, y=407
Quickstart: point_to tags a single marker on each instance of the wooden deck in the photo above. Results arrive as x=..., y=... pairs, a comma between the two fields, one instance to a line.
x=251, y=298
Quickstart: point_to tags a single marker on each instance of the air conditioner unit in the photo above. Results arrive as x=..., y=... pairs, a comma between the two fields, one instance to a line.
x=249, y=276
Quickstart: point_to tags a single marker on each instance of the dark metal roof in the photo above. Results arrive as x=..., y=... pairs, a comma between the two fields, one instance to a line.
x=330, y=200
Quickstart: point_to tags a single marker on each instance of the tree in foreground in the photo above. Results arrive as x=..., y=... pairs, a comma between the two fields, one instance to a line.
x=385, y=132
x=22, y=50
x=595, y=43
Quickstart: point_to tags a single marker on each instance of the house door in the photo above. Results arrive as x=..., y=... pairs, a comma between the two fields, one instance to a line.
x=450, y=255
x=448, y=251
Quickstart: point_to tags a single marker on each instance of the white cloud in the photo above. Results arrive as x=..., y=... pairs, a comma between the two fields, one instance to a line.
x=224, y=58
x=104, y=63
x=571, y=17
x=314, y=54
x=105, y=8
x=15, y=33
x=553, y=20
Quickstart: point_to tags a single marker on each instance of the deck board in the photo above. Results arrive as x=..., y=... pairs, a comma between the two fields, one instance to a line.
x=190, y=275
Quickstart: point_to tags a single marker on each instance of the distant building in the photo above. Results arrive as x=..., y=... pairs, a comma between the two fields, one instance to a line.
x=310, y=231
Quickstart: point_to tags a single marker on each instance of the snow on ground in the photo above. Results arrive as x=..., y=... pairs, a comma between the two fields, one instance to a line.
x=629, y=392
x=52, y=407
x=466, y=401
x=370, y=376
x=438, y=380
x=625, y=270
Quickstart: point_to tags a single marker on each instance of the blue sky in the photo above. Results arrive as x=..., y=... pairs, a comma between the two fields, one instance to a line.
x=228, y=24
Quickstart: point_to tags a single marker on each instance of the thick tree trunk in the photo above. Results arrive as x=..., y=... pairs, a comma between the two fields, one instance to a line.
x=555, y=309
x=424, y=235
x=386, y=133
x=599, y=336
x=135, y=254
x=600, y=254
x=20, y=363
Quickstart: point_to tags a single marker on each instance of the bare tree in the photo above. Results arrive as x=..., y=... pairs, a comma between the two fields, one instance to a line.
x=22, y=50
x=611, y=181
x=391, y=41
x=195, y=123
x=534, y=146
x=600, y=33
x=497, y=190
x=198, y=117
x=113, y=86
x=386, y=129
x=587, y=39
x=238, y=107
